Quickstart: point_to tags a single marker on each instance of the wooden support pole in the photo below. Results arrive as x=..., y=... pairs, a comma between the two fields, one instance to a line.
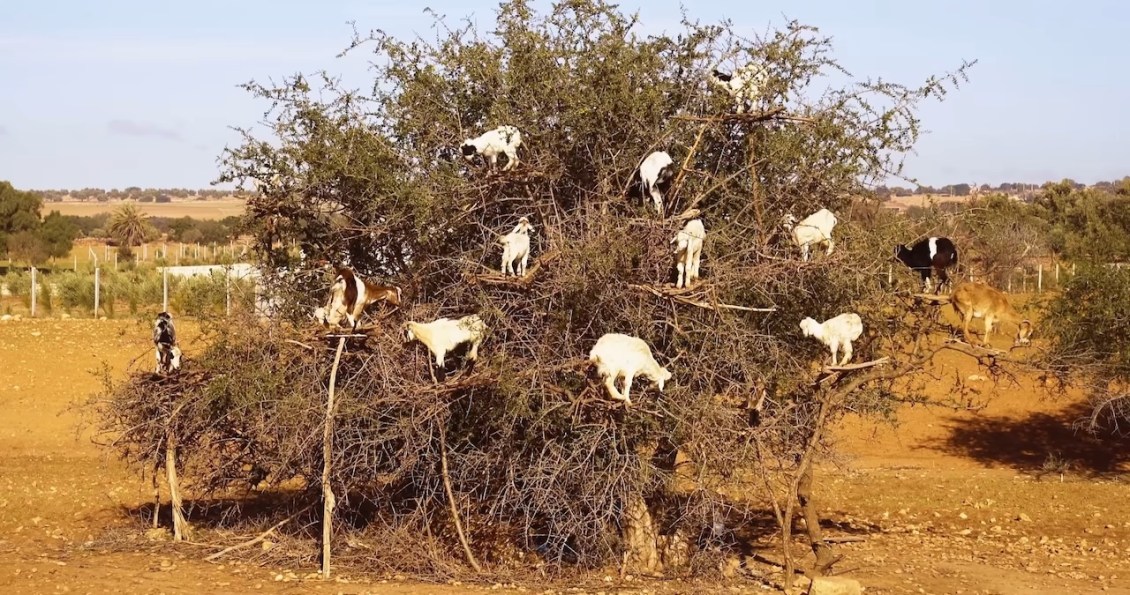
x=328, y=501
x=34, y=290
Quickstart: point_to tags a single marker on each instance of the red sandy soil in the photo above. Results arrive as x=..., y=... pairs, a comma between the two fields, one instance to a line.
x=1007, y=499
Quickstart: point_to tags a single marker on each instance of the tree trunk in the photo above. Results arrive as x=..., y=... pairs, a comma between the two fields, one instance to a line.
x=180, y=525
x=640, y=537
x=328, y=501
x=825, y=557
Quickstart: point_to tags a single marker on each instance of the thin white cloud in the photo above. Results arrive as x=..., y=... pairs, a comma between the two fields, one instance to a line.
x=131, y=128
x=3, y=130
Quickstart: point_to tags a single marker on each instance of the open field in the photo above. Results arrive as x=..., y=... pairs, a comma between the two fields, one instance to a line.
x=197, y=209
x=946, y=502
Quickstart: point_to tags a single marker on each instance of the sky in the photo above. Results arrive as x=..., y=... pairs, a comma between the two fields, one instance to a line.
x=123, y=93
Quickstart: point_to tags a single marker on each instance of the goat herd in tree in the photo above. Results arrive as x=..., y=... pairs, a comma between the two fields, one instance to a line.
x=623, y=356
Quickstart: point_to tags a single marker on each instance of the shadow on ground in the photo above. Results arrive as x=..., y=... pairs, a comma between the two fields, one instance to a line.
x=1040, y=442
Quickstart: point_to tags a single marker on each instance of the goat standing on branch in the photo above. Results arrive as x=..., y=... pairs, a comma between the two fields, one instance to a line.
x=836, y=333
x=617, y=355
x=976, y=300
x=654, y=176
x=929, y=256
x=443, y=335
x=515, y=246
x=165, y=340
x=744, y=85
x=814, y=229
x=349, y=296
x=503, y=140
x=688, y=252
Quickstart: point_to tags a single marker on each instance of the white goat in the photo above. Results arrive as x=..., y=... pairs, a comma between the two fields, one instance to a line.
x=617, y=355
x=443, y=335
x=836, y=333
x=688, y=251
x=516, y=245
x=656, y=173
x=813, y=229
x=744, y=85
x=502, y=140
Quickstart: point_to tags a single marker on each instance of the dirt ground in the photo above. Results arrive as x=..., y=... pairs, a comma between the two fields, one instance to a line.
x=1003, y=500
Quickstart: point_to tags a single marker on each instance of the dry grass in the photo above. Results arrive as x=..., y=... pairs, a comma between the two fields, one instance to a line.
x=197, y=209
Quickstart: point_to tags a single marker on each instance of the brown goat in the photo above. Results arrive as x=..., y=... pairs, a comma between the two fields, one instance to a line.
x=350, y=294
x=976, y=300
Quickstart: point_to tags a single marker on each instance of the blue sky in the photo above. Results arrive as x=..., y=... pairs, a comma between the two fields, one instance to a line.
x=120, y=93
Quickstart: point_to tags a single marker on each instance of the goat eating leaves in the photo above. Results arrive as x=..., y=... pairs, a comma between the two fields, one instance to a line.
x=617, y=355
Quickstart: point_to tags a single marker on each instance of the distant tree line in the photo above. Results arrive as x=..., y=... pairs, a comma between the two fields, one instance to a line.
x=175, y=229
x=26, y=236
x=135, y=193
x=1011, y=188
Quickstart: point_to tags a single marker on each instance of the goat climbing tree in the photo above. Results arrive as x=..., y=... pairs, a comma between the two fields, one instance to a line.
x=530, y=446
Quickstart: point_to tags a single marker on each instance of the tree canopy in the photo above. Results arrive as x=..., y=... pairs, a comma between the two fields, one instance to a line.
x=373, y=180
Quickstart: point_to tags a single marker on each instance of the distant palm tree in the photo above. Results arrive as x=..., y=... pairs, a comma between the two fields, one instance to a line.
x=129, y=226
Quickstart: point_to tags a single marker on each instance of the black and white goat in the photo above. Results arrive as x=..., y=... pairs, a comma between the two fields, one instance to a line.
x=165, y=342
x=929, y=256
x=744, y=85
x=503, y=140
x=654, y=177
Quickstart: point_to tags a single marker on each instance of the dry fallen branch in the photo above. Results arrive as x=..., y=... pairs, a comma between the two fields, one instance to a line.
x=677, y=295
x=257, y=538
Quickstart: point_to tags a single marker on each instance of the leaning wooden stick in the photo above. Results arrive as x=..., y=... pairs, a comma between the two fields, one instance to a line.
x=327, y=463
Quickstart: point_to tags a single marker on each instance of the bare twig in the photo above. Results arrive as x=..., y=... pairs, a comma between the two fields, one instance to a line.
x=451, y=501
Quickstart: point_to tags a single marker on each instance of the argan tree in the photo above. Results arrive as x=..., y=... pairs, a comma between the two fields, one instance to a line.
x=535, y=454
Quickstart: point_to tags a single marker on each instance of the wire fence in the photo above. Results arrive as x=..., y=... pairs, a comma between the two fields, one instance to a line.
x=100, y=291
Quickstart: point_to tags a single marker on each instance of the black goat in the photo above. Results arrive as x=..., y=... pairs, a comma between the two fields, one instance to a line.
x=929, y=256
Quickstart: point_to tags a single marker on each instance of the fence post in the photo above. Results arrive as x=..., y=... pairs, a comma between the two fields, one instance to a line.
x=1024, y=281
x=1040, y=277
x=1010, y=282
x=890, y=274
x=96, y=287
x=115, y=260
x=145, y=252
x=227, y=292
x=34, y=287
x=1057, y=272
x=76, y=263
x=165, y=288
x=1073, y=269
